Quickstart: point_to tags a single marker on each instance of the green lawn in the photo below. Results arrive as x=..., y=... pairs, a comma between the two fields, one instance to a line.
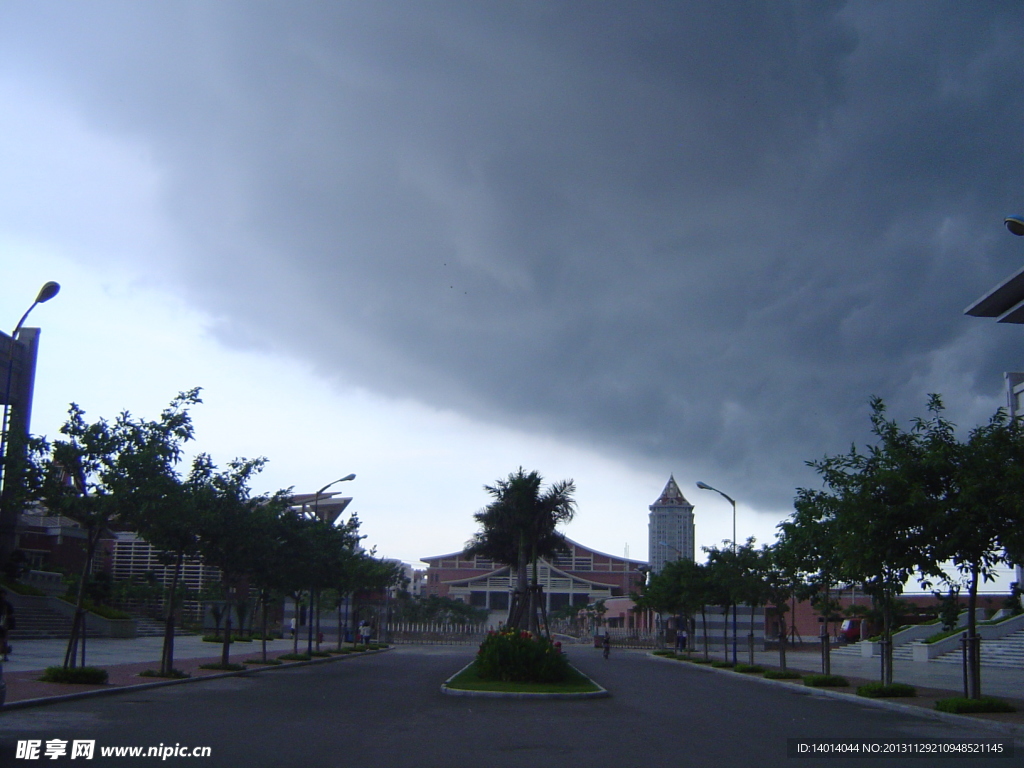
x=467, y=680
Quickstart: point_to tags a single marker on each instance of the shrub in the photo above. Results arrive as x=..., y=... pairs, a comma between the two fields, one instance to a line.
x=215, y=639
x=175, y=674
x=782, y=674
x=294, y=657
x=223, y=667
x=519, y=656
x=749, y=668
x=880, y=691
x=826, y=681
x=959, y=705
x=669, y=654
x=700, y=660
x=722, y=664
x=320, y=654
x=21, y=589
x=76, y=675
x=260, y=661
x=105, y=610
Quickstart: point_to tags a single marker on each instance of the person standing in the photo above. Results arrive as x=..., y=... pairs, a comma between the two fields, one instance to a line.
x=606, y=644
x=364, y=632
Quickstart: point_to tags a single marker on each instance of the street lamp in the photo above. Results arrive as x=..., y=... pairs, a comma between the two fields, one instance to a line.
x=706, y=487
x=47, y=292
x=1015, y=224
x=316, y=515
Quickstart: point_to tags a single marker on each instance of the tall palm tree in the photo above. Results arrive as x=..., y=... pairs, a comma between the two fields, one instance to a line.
x=518, y=526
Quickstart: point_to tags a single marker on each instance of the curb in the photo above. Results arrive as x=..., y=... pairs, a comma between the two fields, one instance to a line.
x=932, y=714
x=26, y=703
x=601, y=693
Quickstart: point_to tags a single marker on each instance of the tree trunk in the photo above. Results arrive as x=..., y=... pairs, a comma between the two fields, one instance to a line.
x=226, y=647
x=750, y=635
x=725, y=632
x=264, y=598
x=167, y=657
x=704, y=628
x=782, y=641
x=886, y=640
x=973, y=642
x=78, y=624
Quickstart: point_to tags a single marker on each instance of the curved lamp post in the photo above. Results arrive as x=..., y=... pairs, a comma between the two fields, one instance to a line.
x=316, y=514
x=706, y=487
x=47, y=292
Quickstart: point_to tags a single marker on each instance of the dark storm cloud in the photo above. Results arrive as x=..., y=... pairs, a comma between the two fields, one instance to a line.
x=695, y=233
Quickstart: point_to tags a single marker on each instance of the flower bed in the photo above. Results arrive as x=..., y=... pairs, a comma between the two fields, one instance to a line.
x=519, y=656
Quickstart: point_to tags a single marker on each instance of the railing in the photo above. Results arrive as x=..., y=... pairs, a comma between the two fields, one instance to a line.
x=435, y=634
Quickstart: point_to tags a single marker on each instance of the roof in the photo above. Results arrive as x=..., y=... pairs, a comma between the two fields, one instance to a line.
x=460, y=553
x=1006, y=299
x=671, y=496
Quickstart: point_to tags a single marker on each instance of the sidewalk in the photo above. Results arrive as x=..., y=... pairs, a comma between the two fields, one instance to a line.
x=123, y=659
x=932, y=681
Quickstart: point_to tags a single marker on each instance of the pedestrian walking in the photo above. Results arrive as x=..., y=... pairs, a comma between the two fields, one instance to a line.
x=683, y=638
x=364, y=632
x=606, y=644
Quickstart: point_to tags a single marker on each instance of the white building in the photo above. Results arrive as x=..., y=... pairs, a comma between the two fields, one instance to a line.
x=670, y=530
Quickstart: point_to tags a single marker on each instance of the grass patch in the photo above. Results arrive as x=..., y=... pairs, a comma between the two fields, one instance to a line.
x=943, y=635
x=880, y=691
x=75, y=675
x=669, y=654
x=826, y=681
x=321, y=654
x=782, y=674
x=223, y=667
x=469, y=680
x=698, y=660
x=274, y=662
x=174, y=674
x=722, y=664
x=750, y=669
x=961, y=706
x=21, y=589
x=294, y=657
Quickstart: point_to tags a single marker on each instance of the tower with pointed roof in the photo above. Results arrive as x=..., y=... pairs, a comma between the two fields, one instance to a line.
x=670, y=528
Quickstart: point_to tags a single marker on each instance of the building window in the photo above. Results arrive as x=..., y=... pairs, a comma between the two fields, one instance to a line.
x=584, y=564
x=558, y=600
x=580, y=598
x=499, y=601
x=478, y=599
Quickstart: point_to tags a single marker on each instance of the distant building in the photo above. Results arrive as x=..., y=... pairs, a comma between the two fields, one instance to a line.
x=670, y=530
x=580, y=576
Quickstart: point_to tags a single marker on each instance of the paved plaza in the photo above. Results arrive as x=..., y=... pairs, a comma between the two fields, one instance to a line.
x=387, y=709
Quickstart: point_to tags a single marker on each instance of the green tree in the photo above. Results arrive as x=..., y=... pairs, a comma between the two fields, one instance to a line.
x=781, y=576
x=978, y=487
x=810, y=538
x=231, y=529
x=518, y=527
x=97, y=472
x=726, y=583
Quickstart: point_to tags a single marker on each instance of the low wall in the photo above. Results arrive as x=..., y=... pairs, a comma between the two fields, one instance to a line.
x=94, y=623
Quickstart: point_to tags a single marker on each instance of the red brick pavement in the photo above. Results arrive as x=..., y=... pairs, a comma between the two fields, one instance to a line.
x=22, y=686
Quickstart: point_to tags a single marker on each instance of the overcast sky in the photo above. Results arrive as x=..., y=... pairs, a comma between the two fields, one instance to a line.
x=427, y=242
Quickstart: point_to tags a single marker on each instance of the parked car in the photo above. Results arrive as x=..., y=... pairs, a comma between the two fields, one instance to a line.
x=850, y=630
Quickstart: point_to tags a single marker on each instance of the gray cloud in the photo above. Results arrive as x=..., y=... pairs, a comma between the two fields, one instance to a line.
x=696, y=234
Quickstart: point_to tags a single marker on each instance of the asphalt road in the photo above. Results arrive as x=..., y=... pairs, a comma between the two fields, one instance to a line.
x=387, y=710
